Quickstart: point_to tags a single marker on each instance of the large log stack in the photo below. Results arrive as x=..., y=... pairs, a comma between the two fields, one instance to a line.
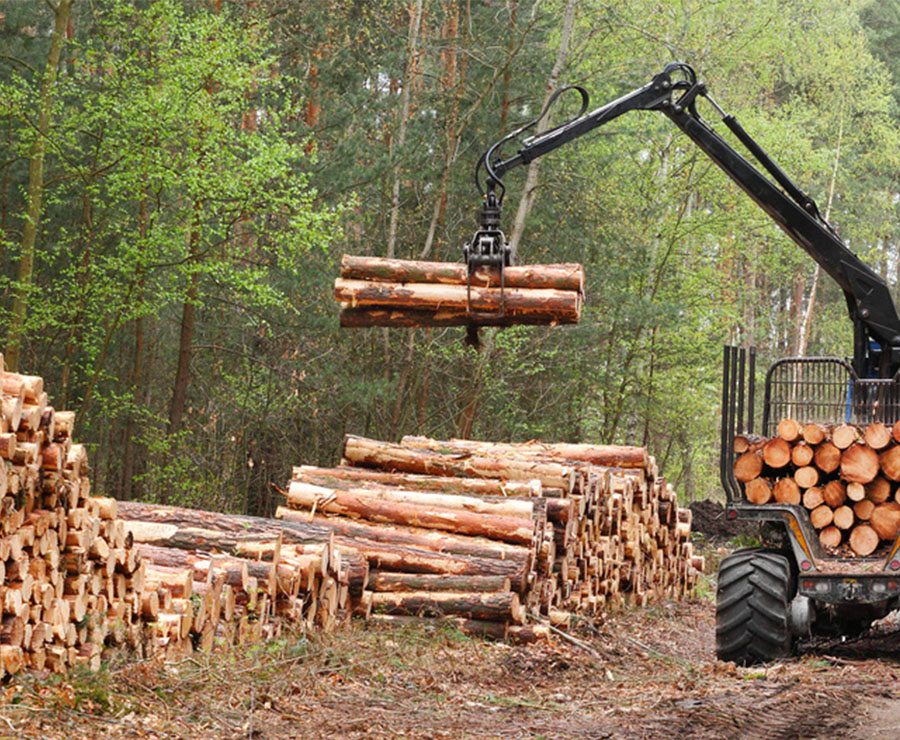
x=374, y=291
x=70, y=578
x=488, y=533
x=76, y=577
x=478, y=533
x=846, y=476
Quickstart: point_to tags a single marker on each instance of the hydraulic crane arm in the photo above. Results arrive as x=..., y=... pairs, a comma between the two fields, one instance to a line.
x=674, y=92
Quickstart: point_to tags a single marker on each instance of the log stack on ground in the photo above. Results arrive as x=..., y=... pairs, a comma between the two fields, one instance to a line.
x=539, y=530
x=70, y=581
x=375, y=291
x=80, y=574
x=846, y=476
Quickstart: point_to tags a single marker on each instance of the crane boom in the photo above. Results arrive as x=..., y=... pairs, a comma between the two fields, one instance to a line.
x=674, y=92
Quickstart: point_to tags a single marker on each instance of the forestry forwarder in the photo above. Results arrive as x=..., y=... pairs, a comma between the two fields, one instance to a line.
x=767, y=597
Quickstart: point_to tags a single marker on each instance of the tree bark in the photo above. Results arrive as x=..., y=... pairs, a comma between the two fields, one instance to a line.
x=415, y=23
x=495, y=607
x=426, y=539
x=35, y=192
x=556, y=276
x=396, y=582
x=371, y=508
x=387, y=456
x=531, y=176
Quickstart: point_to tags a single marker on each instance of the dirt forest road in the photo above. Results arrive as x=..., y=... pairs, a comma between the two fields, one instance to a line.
x=649, y=675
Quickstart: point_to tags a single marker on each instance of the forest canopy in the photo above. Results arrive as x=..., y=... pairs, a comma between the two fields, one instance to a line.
x=178, y=182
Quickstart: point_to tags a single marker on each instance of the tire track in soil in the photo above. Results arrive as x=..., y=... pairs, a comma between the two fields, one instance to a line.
x=787, y=713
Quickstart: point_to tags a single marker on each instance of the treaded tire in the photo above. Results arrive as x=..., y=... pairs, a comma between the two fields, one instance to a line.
x=752, y=608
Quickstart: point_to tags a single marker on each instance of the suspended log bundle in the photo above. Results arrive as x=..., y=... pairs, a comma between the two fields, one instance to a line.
x=845, y=476
x=374, y=291
x=513, y=530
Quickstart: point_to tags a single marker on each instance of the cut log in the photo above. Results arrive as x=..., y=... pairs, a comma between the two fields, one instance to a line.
x=786, y=491
x=411, y=481
x=806, y=477
x=802, y=454
x=495, y=607
x=814, y=434
x=789, y=430
x=556, y=276
x=744, y=442
x=863, y=540
x=843, y=517
x=877, y=436
x=776, y=453
x=879, y=490
x=821, y=516
x=302, y=493
x=748, y=466
x=885, y=520
x=830, y=538
x=758, y=491
x=895, y=431
x=844, y=435
x=611, y=456
x=388, y=581
x=856, y=491
x=812, y=498
x=427, y=539
x=520, y=301
x=834, y=493
x=859, y=464
x=370, y=508
x=863, y=509
x=827, y=457
x=890, y=463
x=392, y=457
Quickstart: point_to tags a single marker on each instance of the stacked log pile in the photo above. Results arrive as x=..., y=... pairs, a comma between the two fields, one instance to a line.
x=70, y=579
x=484, y=533
x=265, y=574
x=845, y=476
x=374, y=291
x=80, y=573
x=489, y=533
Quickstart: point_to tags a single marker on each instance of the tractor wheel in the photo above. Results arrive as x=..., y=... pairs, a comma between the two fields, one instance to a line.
x=752, y=607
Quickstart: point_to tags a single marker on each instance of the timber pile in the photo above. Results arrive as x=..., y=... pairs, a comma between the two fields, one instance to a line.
x=80, y=573
x=845, y=476
x=374, y=291
x=70, y=579
x=490, y=533
x=265, y=574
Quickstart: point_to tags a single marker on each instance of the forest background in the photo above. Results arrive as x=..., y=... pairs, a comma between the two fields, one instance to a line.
x=178, y=181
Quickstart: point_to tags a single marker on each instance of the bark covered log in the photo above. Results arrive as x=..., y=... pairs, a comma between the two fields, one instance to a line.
x=611, y=456
x=564, y=304
x=389, y=581
x=557, y=276
x=495, y=606
x=371, y=508
x=393, y=457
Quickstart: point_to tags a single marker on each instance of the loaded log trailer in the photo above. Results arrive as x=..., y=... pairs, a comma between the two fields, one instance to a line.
x=767, y=597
